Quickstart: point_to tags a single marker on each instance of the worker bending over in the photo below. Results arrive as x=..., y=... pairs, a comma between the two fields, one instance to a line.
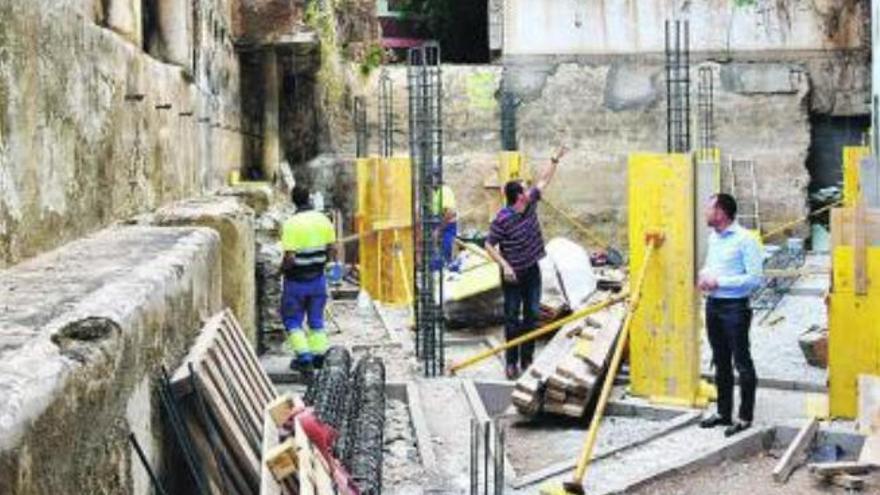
x=515, y=242
x=307, y=240
x=732, y=271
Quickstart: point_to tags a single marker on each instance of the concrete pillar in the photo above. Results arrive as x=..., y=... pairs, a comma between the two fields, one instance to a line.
x=124, y=17
x=175, y=33
x=271, y=98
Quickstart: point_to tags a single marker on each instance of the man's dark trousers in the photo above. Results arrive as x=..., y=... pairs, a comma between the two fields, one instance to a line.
x=727, y=323
x=521, y=298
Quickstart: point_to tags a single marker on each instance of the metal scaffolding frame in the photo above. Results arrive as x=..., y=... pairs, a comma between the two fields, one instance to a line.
x=386, y=115
x=360, y=127
x=424, y=79
x=678, y=84
x=706, y=109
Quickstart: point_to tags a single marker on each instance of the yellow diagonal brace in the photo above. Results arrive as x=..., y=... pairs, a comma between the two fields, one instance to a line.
x=586, y=453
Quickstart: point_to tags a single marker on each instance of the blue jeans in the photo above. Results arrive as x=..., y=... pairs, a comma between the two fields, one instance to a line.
x=301, y=300
x=522, y=305
x=447, y=242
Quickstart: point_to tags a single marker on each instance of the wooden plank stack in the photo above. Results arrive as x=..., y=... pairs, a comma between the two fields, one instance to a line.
x=225, y=391
x=566, y=373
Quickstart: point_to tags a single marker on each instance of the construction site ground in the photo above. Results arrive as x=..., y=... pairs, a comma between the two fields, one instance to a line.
x=641, y=446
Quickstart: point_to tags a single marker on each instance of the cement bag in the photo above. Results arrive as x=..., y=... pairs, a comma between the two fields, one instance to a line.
x=573, y=271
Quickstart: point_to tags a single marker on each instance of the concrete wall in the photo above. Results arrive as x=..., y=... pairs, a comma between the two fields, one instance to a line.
x=93, y=128
x=637, y=26
x=85, y=330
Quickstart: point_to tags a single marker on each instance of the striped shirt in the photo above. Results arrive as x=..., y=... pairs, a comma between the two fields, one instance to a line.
x=519, y=234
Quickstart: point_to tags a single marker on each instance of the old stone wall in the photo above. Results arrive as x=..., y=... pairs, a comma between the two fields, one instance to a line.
x=103, y=116
x=604, y=110
x=86, y=330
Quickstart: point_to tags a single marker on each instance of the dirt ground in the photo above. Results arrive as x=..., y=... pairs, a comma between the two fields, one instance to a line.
x=751, y=476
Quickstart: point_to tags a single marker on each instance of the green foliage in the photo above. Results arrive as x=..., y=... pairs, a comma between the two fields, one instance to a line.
x=372, y=60
x=744, y=3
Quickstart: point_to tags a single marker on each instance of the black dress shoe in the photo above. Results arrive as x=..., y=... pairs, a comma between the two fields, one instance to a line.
x=713, y=421
x=736, y=428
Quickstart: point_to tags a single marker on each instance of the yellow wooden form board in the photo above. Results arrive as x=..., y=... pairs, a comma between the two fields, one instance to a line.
x=664, y=345
x=852, y=159
x=854, y=330
x=384, y=223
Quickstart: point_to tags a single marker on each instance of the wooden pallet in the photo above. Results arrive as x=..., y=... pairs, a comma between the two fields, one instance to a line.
x=566, y=373
x=235, y=390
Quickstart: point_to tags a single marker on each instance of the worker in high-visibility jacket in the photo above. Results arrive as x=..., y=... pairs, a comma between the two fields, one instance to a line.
x=307, y=240
x=443, y=205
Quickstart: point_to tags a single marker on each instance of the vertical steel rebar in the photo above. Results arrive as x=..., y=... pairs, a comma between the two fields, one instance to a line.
x=474, y=457
x=360, y=127
x=677, y=86
x=154, y=480
x=499, y=459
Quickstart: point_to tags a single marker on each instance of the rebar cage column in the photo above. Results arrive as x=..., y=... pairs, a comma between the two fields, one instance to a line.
x=386, y=115
x=678, y=124
x=424, y=79
x=706, y=109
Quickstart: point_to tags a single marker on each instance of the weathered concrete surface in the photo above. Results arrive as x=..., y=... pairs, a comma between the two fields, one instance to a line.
x=625, y=26
x=94, y=129
x=235, y=224
x=83, y=331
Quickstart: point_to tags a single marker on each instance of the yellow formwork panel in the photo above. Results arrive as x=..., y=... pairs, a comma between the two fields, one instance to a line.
x=512, y=166
x=853, y=330
x=852, y=159
x=664, y=345
x=384, y=224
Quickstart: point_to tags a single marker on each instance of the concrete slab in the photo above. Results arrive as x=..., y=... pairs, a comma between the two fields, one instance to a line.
x=83, y=329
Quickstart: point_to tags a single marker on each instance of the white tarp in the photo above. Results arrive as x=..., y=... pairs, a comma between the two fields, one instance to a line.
x=566, y=273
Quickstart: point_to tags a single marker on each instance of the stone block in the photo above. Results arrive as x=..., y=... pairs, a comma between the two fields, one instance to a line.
x=761, y=78
x=84, y=330
x=124, y=17
x=257, y=195
x=631, y=87
x=234, y=222
x=814, y=345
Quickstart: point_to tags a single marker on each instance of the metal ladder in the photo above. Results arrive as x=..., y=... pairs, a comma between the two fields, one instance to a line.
x=749, y=212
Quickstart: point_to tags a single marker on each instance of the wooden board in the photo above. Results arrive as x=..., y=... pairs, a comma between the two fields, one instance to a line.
x=832, y=468
x=843, y=227
x=234, y=390
x=869, y=404
x=796, y=451
x=314, y=473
